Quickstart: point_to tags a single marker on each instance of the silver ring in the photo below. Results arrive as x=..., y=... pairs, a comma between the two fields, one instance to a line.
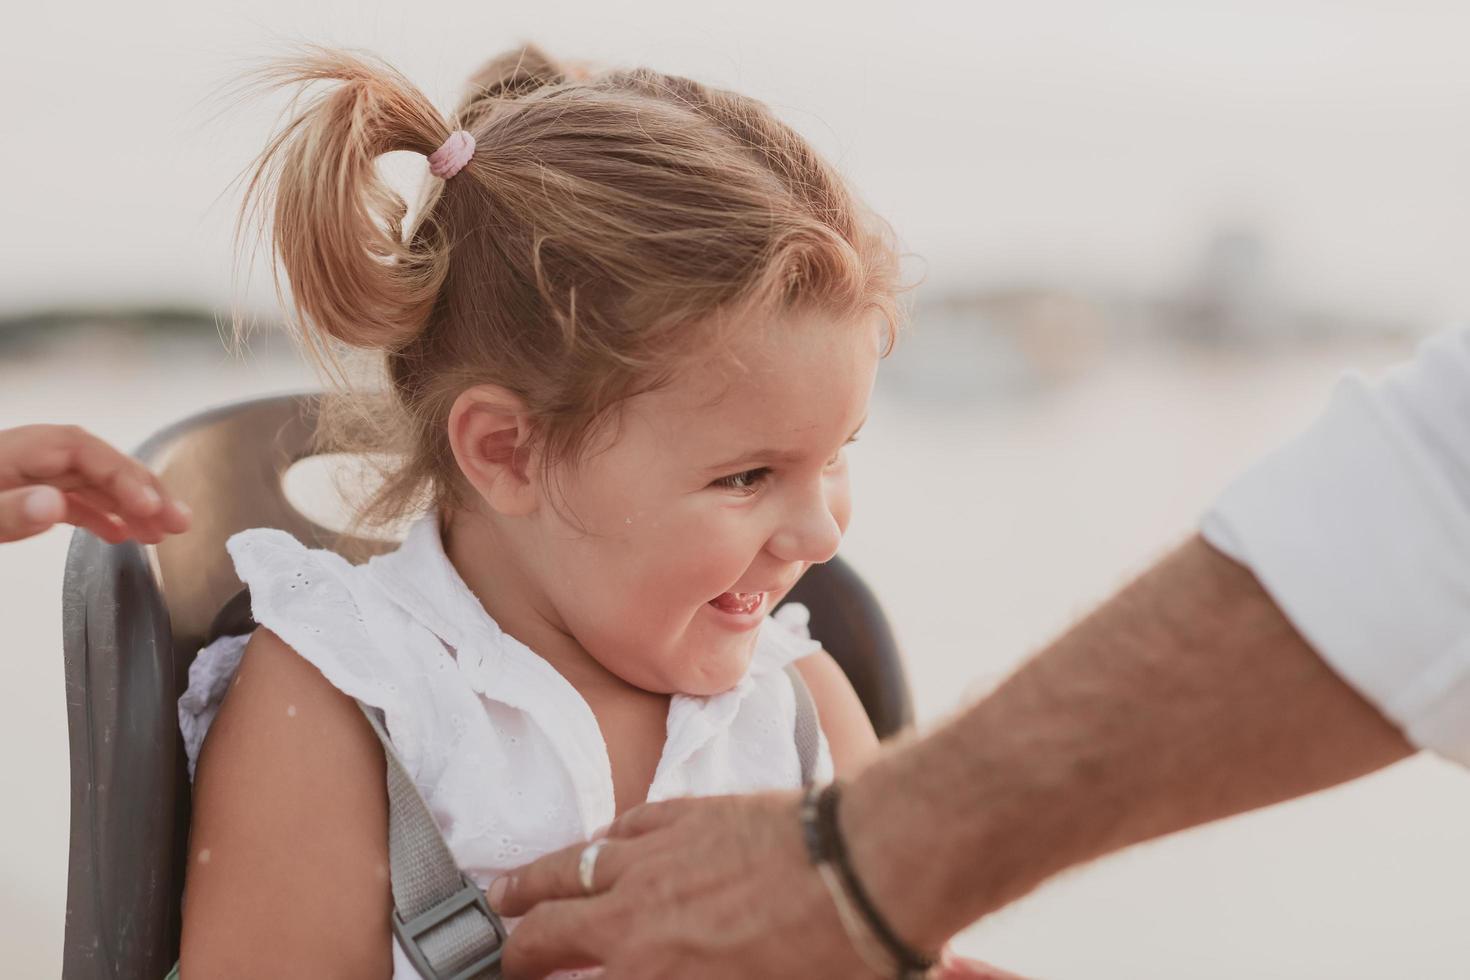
x=587, y=865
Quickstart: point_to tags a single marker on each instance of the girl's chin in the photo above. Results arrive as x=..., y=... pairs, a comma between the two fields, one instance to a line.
x=725, y=659
x=706, y=688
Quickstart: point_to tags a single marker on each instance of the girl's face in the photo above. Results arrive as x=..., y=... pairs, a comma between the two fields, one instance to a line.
x=665, y=548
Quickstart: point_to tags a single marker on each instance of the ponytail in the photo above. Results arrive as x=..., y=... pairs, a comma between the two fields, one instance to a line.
x=336, y=227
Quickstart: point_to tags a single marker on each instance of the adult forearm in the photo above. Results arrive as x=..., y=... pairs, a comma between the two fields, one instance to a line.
x=1185, y=698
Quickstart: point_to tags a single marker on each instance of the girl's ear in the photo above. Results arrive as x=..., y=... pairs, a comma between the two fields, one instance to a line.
x=490, y=432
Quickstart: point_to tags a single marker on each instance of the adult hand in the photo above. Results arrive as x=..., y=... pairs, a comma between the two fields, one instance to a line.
x=713, y=888
x=60, y=473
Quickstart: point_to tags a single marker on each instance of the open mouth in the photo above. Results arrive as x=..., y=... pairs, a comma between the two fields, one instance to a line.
x=739, y=603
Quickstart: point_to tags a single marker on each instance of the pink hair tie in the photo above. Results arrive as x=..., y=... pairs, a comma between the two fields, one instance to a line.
x=452, y=155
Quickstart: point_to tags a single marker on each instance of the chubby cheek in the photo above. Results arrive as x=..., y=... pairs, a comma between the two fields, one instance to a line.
x=701, y=562
x=635, y=602
x=660, y=647
x=690, y=558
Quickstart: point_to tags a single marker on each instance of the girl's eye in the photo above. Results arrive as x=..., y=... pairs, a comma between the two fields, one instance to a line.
x=747, y=482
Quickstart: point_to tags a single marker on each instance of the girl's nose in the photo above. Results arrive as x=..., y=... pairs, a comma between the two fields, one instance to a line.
x=811, y=534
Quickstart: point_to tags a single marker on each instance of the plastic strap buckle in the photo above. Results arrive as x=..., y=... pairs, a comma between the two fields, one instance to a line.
x=409, y=933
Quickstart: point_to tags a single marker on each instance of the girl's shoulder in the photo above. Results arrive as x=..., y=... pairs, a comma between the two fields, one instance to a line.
x=336, y=616
x=288, y=801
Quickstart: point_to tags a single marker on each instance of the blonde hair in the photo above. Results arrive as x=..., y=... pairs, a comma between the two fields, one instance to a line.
x=604, y=223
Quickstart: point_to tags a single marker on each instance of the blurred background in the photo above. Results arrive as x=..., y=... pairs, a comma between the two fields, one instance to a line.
x=1150, y=236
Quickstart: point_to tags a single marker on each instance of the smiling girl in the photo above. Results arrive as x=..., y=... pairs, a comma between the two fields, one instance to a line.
x=625, y=341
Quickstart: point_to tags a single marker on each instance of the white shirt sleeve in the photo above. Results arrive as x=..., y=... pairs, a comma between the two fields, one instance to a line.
x=1359, y=529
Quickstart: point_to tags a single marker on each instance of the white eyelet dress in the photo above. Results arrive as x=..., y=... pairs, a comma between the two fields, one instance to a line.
x=506, y=753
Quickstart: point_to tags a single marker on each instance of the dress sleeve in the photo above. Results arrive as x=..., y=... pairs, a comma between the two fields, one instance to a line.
x=784, y=638
x=319, y=604
x=1359, y=529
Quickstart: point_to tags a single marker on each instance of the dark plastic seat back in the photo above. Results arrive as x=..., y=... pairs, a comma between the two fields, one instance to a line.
x=134, y=617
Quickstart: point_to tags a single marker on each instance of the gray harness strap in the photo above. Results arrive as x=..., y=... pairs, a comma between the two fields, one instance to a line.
x=808, y=729
x=439, y=915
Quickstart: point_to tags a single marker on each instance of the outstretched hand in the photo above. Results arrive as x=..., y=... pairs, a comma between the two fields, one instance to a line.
x=50, y=474
x=718, y=888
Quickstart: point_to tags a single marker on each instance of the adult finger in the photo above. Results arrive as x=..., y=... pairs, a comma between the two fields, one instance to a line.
x=558, y=875
x=92, y=503
x=555, y=936
x=29, y=511
x=106, y=526
x=550, y=876
x=138, y=497
x=70, y=458
x=134, y=489
x=649, y=817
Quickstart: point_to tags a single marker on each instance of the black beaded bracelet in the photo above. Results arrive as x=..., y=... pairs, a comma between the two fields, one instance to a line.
x=825, y=845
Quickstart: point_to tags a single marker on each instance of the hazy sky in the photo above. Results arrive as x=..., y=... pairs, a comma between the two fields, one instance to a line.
x=1075, y=142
